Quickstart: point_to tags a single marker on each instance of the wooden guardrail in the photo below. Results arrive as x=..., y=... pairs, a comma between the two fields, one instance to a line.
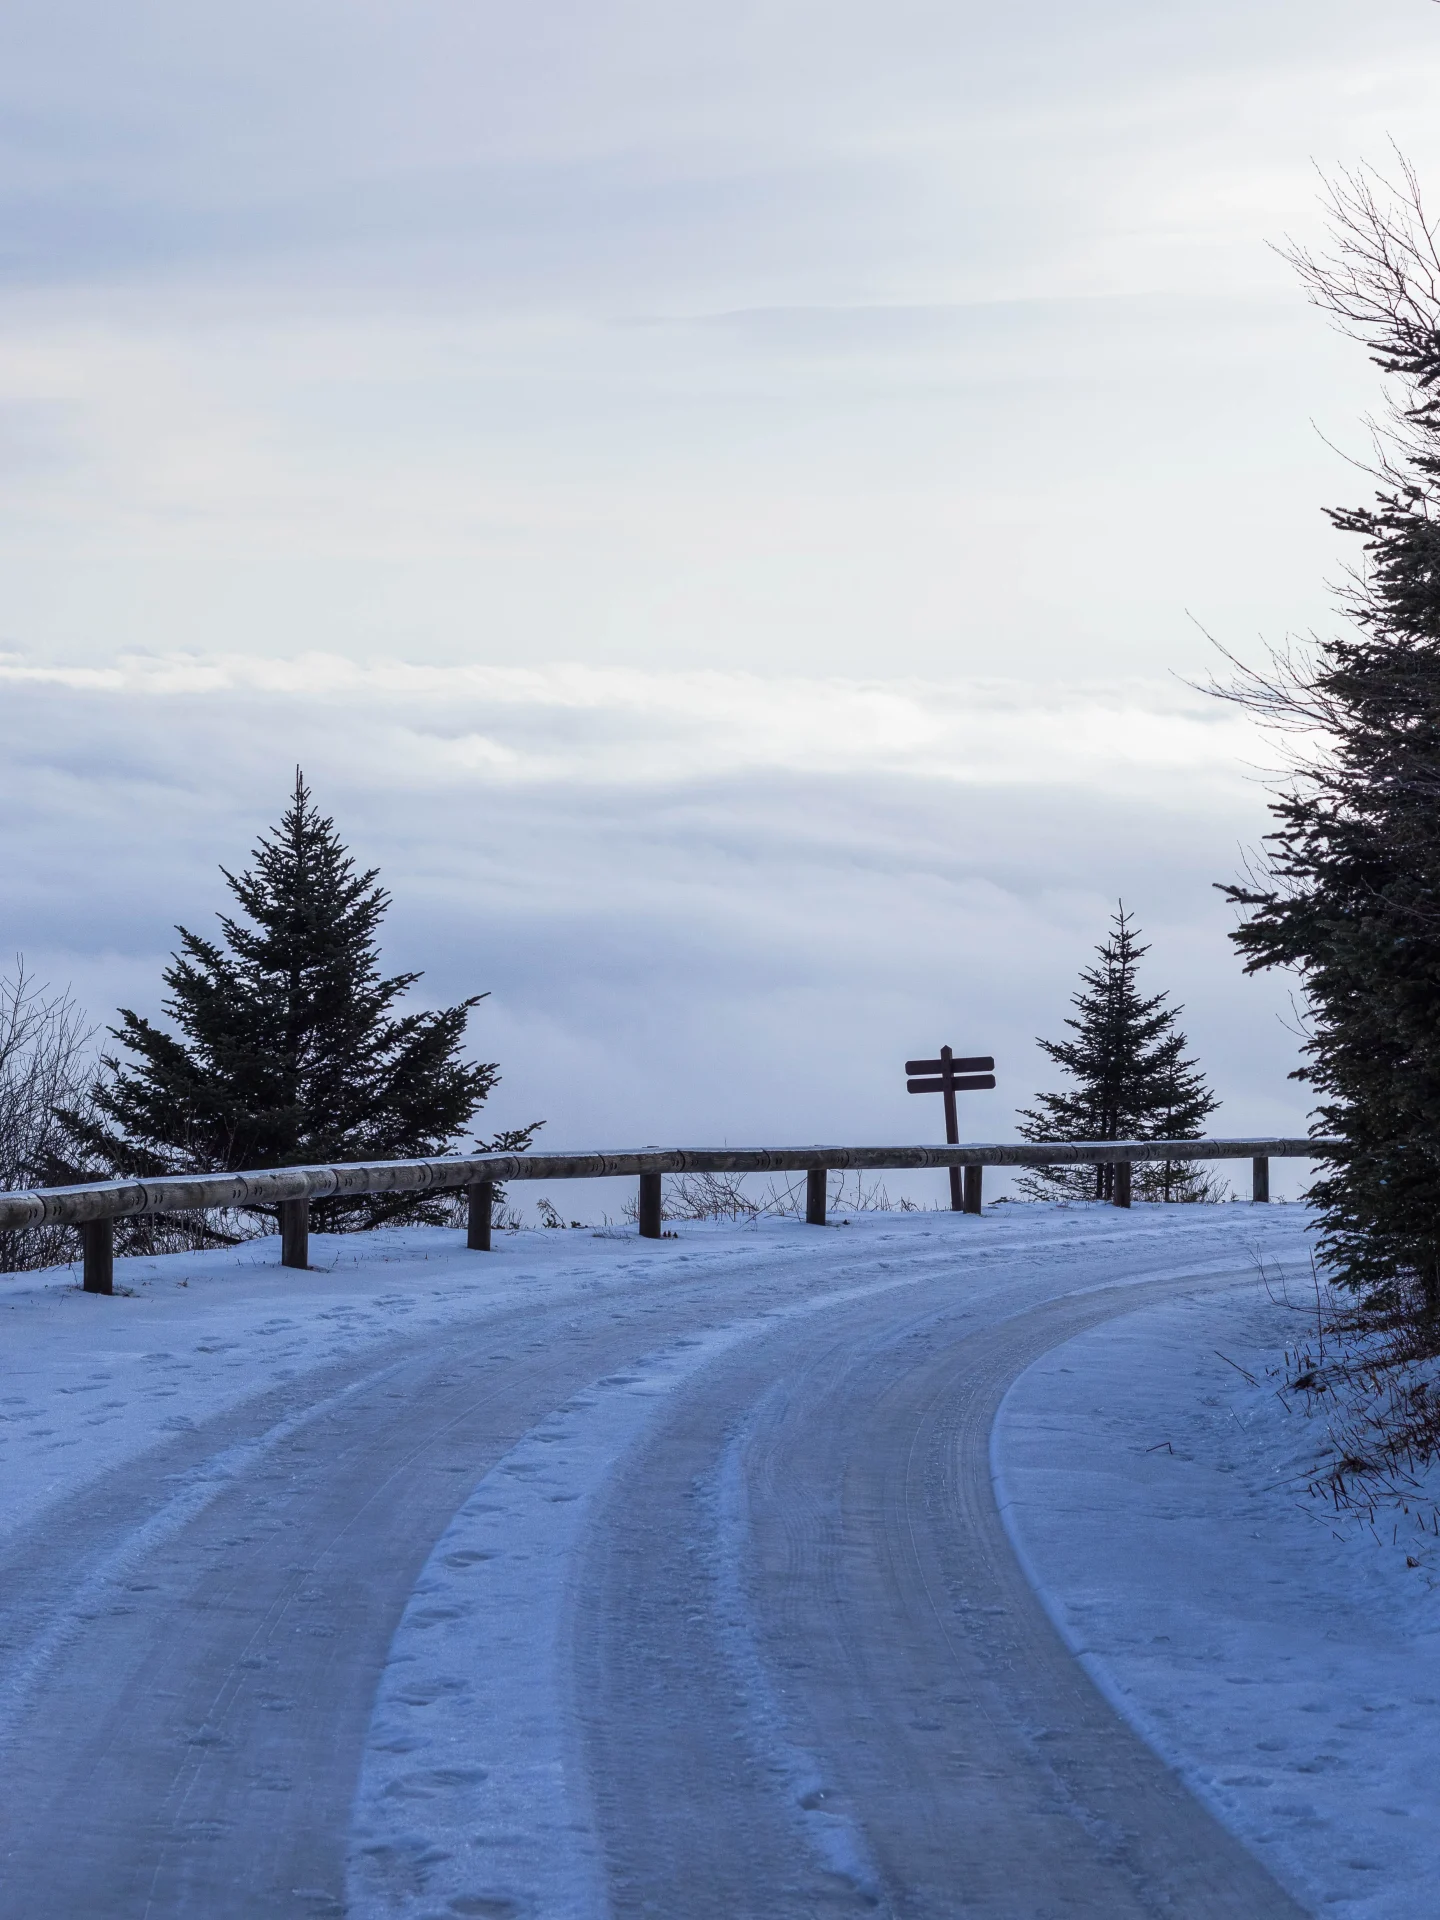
x=96, y=1206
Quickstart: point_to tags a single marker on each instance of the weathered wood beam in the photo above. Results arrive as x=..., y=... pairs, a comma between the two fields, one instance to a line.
x=974, y=1177
x=478, y=1223
x=1260, y=1179
x=816, y=1179
x=272, y=1186
x=97, y=1240
x=1122, y=1183
x=295, y=1233
x=652, y=1209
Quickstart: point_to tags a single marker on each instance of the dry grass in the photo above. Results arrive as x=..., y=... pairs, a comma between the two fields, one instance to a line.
x=726, y=1196
x=1371, y=1372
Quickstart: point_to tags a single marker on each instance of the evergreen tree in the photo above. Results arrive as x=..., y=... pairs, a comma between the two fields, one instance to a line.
x=286, y=1051
x=1348, y=891
x=1132, y=1080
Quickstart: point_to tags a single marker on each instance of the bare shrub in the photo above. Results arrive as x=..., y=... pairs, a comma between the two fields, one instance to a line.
x=726, y=1196
x=1185, y=1181
x=710, y=1196
x=45, y=1063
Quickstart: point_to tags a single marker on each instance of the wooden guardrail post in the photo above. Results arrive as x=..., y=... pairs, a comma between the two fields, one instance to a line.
x=815, y=1180
x=1122, y=1183
x=1260, y=1179
x=97, y=1239
x=295, y=1233
x=974, y=1176
x=652, y=1211
x=482, y=1209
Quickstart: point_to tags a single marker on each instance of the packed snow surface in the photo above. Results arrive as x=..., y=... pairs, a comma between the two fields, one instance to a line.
x=1155, y=1495
x=1281, y=1655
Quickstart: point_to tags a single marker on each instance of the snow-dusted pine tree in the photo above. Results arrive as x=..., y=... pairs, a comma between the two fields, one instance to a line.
x=1132, y=1081
x=286, y=1051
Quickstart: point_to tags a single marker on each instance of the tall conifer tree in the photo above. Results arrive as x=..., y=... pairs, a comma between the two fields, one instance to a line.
x=1132, y=1080
x=286, y=1049
x=1348, y=893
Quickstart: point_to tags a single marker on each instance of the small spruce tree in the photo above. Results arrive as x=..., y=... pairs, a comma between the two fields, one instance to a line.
x=286, y=1050
x=1132, y=1081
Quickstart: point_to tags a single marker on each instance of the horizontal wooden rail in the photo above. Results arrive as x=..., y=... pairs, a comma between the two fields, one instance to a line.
x=95, y=1207
x=197, y=1192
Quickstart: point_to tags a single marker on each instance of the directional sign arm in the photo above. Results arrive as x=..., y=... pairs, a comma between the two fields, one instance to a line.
x=962, y=1083
x=982, y=1063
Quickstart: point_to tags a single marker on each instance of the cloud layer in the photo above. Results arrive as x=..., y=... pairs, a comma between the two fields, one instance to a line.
x=839, y=340
x=707, y=906
x=712, y=497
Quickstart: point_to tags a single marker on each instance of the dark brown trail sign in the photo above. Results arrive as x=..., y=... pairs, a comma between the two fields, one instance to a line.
x=950, y=1076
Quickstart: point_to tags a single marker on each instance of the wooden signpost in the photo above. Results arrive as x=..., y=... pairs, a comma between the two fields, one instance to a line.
x=950, y=1076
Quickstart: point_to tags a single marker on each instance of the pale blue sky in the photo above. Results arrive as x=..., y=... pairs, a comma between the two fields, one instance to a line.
x=766, y=382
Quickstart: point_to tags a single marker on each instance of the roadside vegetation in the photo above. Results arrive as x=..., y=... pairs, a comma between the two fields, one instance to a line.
x=1366, y=1373
x=284, y=1044
x=45, y=1064
x=1346, y=890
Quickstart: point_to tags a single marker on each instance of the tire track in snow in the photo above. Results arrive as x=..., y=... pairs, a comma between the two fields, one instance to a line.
x=473, y=1790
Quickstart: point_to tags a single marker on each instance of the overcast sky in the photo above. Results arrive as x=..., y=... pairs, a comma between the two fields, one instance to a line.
x=717, y=499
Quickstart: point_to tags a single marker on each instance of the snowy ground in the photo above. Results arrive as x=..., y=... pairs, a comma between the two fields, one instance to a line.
x=85, y=1383
x=1283, y=1658
x=1149, y=1488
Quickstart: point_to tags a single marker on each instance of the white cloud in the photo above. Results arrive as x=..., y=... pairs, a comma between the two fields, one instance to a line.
x=706, y=905
x=579, y=724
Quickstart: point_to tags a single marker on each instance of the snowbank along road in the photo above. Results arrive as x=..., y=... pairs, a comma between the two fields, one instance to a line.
x=588, y=1577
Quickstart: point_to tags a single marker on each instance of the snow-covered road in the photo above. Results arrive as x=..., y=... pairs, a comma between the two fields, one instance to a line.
x=587, y=1577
